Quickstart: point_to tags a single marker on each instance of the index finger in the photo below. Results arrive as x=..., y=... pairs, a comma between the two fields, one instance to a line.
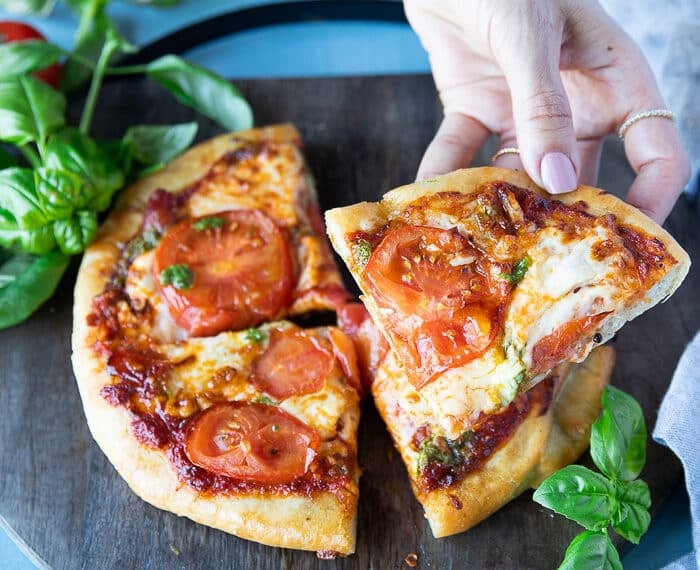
x=654, y=149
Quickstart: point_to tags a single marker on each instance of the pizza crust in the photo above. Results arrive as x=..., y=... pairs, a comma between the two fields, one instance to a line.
x=322, y=521
x=542, y=444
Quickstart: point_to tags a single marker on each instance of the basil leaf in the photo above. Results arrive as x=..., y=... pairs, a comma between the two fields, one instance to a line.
x=38, y=241
x=27, y=56
x=579, y=494
x=591, y=551
x=60, y=192
x=202, y=90
x=156, y=144
x=29, y=110
x=97, y=166
x=13, y=264
x=19, y=200
x=34, y=280
x=632, y=518
x=619, y=436
x=43, y=7
x=74, y=234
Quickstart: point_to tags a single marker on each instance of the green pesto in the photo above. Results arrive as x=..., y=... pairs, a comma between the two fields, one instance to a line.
x=179, y=276
x=255, y=335
x=439, y=449
x=519, y=270
x=147, y=241
x=362, y=251
x=211, y=223
x=264, y=400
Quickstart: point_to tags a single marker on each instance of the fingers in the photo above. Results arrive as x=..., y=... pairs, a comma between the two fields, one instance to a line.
x=530, y=62
x=589, y=152
x=656, y=153
x=454, y=146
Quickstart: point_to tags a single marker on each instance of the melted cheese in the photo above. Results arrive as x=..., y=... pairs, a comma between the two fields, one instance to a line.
x=141, y=287
x=268, y=180
x=564, y=282
x=218, y=368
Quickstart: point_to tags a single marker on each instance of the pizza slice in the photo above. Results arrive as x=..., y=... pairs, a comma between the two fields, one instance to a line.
x=482, y=283
x=206, y=399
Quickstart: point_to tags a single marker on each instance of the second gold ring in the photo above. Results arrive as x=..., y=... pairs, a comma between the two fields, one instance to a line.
x=505, y=150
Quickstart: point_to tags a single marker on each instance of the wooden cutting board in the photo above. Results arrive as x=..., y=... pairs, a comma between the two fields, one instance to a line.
x=363, y=136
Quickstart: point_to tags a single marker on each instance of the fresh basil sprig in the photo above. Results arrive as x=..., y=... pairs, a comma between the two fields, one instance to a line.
x=57, y=178
x=614, y=498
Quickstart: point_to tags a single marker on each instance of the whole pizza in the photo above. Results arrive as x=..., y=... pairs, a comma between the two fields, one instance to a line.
x=209, y=390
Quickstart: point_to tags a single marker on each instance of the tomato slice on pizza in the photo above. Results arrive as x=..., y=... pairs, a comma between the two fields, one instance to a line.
x=230, y=271
x=254, y=442
x=439, y=294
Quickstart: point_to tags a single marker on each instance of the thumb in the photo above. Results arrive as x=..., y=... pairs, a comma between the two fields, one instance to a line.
x=541, y=112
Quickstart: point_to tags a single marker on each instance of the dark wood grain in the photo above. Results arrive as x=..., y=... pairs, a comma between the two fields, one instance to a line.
x=363, y=136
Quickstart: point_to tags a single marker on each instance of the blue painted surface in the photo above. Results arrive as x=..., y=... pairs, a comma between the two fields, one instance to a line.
x=303, y=50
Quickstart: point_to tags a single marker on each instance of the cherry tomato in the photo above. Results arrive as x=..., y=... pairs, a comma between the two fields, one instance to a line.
x=444, y=283
x=18, y=32
x=563, y=343
x=293, y=364
x=239, y=267
x=253, y=442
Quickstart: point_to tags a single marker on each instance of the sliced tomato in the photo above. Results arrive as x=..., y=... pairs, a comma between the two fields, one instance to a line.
x=370, y=345
x=351, y=316
x=293, y=364
x=346, y=355
x=253, y=442
x=19, y=32
x=241, y=269
x=443, y=283
x=563, y=343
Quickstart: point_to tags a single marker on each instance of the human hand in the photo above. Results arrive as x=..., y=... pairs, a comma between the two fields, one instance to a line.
x=552, y=77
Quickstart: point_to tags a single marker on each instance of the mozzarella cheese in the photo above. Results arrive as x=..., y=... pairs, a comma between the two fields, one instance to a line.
x=268, y=180
x=213, y=369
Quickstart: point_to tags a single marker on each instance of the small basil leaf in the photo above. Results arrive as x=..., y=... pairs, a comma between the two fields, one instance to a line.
x=60, y=192
x=155, y=144
x=34, y=281
x=38, y=241
x=29, y=109
x=632, y=518
x=579, y=494
x=98, y=166
x=27, y=56
x=42, y=7
x=591, y=551
x=619, y=436
x=202, y=90
x=74, y=234
x=18, y=198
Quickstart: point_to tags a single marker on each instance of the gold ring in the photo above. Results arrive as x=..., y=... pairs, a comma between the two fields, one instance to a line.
x=505, y=150
x=660, y=113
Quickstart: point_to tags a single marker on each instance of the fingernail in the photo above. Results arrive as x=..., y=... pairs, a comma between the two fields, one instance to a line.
x=558, y=174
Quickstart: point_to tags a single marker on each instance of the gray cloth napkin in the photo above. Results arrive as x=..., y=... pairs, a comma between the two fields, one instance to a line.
x=678, y=428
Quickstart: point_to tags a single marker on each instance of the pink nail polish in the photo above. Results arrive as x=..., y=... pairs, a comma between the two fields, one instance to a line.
x=558, y=174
